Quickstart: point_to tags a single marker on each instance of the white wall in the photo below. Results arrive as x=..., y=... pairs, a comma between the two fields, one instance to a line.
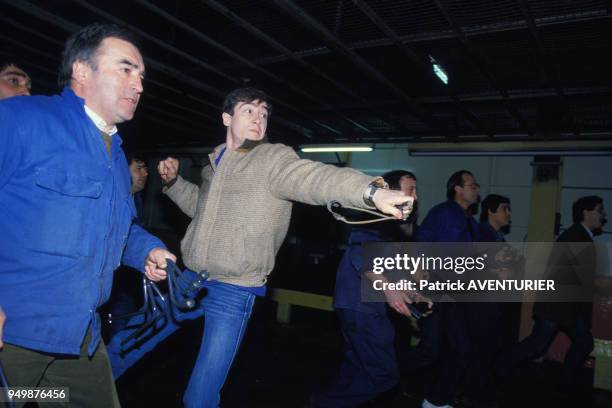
x=509, y=176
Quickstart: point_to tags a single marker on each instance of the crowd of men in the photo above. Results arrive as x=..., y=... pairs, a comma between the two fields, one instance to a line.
x=72, y=213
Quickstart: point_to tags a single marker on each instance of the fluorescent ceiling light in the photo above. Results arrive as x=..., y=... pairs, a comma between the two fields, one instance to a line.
x=512, y=153
x=513, y=148
x=335, y=148
x=437, y=69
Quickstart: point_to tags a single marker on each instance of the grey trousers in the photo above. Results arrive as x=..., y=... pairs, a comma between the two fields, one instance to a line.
x=90, y=380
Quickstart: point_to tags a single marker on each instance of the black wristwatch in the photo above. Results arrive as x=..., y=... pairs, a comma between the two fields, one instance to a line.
x=368, y=196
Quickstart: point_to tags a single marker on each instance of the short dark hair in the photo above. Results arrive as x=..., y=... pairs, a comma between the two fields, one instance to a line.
x=6, y=63
x=245, y=95
x=456, y=179
x=587, y=203
x=131, y=158
x=394, y=177
x=491, y=202
x=83, y=44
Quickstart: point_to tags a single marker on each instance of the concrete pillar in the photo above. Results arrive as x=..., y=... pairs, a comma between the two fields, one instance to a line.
x=545, y=204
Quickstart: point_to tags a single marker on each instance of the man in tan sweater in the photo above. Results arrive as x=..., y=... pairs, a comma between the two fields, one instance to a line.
x=240, y=216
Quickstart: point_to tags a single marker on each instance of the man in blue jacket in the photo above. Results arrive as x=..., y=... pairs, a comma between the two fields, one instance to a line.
x=67, y=217
x=444, y=334
x=369, y=365
x=13, y=82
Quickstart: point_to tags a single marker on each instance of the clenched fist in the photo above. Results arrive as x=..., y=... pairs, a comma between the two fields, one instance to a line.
x=168, y=170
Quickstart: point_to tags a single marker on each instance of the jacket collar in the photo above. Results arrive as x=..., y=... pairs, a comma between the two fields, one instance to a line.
x=215, y=153
x=79, y=104
x=492, y=231
x=588, y=231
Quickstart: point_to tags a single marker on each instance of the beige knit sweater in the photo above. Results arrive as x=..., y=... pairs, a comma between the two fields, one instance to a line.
x=241, y=212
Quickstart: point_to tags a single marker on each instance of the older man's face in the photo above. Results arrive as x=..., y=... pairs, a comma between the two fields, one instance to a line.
x=14, y=82
x=469, y=192
x=112, y=89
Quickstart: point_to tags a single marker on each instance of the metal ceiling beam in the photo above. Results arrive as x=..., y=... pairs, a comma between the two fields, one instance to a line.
x=231, y=53
x=548, y=68
x=300, y=130
x=286, y=105
x=160, y=43
x=602, y=92
x=172, y=125
x=530, y=94
x=183, y=108
x=334, y=43
x=446, y=35
x=58, y=21
x=414, y=58
x=53, y=87
x=480, y=61
x=217, y=6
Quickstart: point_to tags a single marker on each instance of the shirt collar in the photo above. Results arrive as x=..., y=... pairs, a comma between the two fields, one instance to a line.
x=588, y=231
x=497, y=234
x=100, y=123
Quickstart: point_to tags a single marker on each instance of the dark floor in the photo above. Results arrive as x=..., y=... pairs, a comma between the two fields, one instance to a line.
x=280, y=365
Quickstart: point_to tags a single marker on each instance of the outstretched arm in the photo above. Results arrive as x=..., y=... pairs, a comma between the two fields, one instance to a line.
x=311, y=182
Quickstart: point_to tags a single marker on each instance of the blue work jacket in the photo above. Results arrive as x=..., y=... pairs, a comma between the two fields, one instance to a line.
x=448, y=222
x=65, y=222
x=347, y=292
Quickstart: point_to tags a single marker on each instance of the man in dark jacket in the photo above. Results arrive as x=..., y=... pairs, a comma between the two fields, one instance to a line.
x=369, y=366
x=495, y=218
x=567, y=266
x=444, y=336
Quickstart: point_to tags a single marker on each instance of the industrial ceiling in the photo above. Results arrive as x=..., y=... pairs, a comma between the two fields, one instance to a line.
x=348, y=70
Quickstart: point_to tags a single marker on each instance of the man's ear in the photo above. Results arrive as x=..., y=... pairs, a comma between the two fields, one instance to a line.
x=80, y=71
x=227, y=119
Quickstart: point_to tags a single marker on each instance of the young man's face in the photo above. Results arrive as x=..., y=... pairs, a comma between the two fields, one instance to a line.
x=14, y=82
x=502, y=217
x=139, y=173
x=595, y=219
x=114, y=88
x=249, y=121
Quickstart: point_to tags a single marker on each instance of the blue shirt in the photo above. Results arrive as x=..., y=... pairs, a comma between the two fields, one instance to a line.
x=66, y=221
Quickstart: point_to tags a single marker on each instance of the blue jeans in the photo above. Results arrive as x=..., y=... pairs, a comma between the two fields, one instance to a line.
x=226, y=313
